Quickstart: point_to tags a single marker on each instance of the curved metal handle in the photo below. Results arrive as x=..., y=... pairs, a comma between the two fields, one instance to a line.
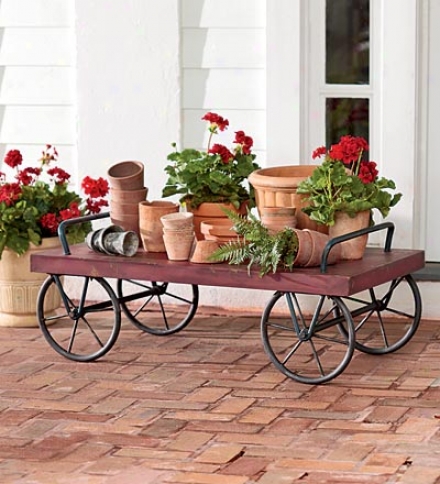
x=77, y=220
x=388, y=226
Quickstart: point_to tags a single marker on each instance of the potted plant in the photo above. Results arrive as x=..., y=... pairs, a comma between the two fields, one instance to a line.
x=215, y=176
x=270, y=250
x=345, y=189
x=32, y=205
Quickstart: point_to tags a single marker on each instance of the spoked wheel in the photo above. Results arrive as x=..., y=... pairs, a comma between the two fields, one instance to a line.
x=308, y=350
x=387, y=317
x=88, y=321
x=158, y=308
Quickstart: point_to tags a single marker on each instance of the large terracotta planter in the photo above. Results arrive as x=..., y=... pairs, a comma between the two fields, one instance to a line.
x=208, y=211
x=351, y=249
x=277, y=187
x=19, y=287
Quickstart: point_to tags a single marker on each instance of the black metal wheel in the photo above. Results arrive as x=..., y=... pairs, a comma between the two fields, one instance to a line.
x=87, y=323
x=307, y=349
x=158, y=308
x=386, y=317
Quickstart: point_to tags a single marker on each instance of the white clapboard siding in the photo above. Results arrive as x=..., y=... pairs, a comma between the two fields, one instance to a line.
x=36, y=47
x=223, y=13
x=35, y=13
x=34, y=85
x=223, y=59
x=224, y=89
x=211, y=48
x=37, y=124
x=252, y=122
x=37, y=76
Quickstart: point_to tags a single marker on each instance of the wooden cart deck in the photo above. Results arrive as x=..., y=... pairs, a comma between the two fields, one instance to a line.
x=342, y=279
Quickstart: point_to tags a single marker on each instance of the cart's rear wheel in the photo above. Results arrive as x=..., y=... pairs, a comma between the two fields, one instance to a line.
x=387, y=317
x=87, y=324
x=158, y=308
x=309, y=350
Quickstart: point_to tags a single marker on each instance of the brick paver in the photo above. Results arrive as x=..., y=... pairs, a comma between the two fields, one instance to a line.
x=205, y=406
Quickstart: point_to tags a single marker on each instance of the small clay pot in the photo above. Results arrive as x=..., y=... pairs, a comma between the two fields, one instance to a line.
x=126, y=175
x=177, y=247
x=221, y=227
x=203, y=250
x=118, y=195
x=277, y=219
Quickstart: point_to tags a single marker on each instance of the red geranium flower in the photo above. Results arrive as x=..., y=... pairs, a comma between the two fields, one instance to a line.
x=95, y=188
x=216, y=122
x=9, y=193
x=49, y=222
x=221, y=150
x=13, y=158
x=28, y=175
x=59, y=175
x=368, y=172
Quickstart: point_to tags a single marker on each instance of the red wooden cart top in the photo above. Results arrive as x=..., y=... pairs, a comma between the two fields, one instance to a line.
x=342, y=279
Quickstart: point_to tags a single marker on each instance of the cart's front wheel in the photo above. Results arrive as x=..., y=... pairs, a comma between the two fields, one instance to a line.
x=87, y=324
x=158, y=308
x=386, y=317
x=307, y=349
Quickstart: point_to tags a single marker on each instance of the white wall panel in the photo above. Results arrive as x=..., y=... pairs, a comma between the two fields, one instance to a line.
x=225, y=49
x=223, y=13
x=36, y=85
x=224, y=89
x=32, y=47
x=33, y=124
x=26, y=13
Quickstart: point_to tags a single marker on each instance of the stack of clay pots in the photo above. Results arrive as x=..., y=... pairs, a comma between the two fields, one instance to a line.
x=126, y=191
x=150, y=225
x=178, y=235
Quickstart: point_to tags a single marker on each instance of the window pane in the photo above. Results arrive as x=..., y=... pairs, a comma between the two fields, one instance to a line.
x=347, y=41
x=346, y=116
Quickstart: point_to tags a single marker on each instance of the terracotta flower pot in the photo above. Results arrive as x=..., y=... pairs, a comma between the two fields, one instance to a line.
x=278, y=218
x=150, y=226
x=179, y=246
x=178, y=221
x=311, y=244
x=126, y=175
x=351, y=249
x=276, y=187
x=118, y=195
x=19, y=287
x=218, y=229
x=207, y=211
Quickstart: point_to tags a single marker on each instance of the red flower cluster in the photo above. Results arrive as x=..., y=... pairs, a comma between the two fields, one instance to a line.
x=244, y=143
x=28, y=188
x=216, y=121
x=225, y=154
x=349, y=151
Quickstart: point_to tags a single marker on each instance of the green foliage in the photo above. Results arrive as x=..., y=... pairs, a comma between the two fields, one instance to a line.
x=332, y=188
x=214, y=175
x=257, y=245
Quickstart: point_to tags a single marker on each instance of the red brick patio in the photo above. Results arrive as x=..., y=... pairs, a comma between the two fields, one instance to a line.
x=205, y=406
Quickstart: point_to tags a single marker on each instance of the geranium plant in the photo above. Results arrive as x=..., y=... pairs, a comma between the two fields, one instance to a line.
x=345, y=182
x=38, y=199
x=215, y=175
